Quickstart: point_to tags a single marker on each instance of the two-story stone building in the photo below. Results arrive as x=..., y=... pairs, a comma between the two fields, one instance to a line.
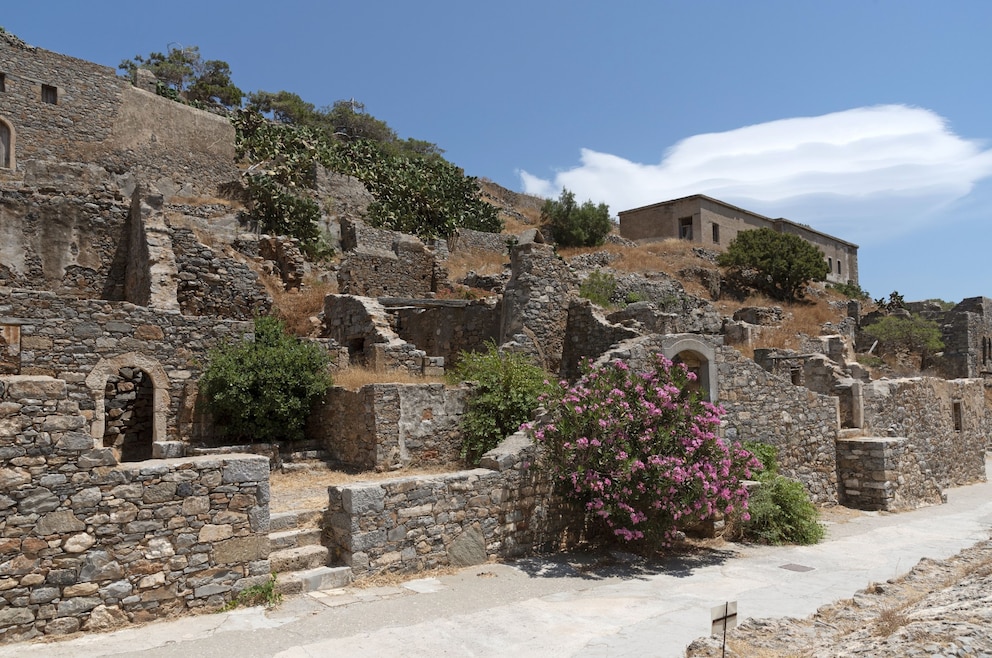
x=709, y=221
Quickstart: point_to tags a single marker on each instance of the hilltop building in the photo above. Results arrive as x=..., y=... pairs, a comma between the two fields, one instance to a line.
x=709, y=221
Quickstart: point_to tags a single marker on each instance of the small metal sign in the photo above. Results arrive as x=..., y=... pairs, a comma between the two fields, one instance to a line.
x=724, y=618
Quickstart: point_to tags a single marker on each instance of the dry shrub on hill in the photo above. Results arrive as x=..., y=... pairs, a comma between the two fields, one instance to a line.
x=297, y=308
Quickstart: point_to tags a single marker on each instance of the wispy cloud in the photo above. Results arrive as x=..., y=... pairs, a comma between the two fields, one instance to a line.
x=858, y=174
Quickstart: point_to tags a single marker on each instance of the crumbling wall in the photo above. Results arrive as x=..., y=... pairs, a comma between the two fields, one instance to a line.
x=458, y=519
x=588, y=335
x=89, y=544
x=445, y=327
x=884, y=473
x=535, y=303
x=967, y=334
x=944, y=422
x=406, y=269
x=213, y=285
x=388, y=426
x=68, y=338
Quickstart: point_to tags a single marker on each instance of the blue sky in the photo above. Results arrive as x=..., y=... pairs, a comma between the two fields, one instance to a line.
x=867, y=119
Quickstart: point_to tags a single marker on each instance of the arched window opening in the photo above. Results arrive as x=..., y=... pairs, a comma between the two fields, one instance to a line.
x=129, y=406
x=696, y=364
x=6, y=146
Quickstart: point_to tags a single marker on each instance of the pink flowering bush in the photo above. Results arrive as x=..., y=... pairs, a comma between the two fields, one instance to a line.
x=639, y=449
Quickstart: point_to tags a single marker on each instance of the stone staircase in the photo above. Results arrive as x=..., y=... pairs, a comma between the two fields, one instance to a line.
x=297, y=556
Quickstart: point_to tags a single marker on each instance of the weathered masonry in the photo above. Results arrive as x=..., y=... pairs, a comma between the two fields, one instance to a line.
x=709, y=221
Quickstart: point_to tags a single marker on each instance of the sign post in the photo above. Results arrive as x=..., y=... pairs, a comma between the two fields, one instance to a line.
x=724, y=618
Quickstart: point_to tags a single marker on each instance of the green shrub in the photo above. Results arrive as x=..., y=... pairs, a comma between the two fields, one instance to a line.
x=779, y=510
x=914, y=334
x=599, y=288
x=778, y=264
x=851, y=291
x=573, y=225
x=263, y=389
x=266, y=595
x=506, y=392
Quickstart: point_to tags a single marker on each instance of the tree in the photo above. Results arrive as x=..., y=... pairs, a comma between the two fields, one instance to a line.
x=183, y=72
x=778, y=264
x=573, y=225
x=639, y=450
x=913, y=334
x=263, y=389
x=507, y=390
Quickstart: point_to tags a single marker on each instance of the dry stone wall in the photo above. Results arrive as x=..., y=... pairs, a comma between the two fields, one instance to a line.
x=414, y=523
x=90, y=544
x=945, y=422
x=445, y=328
x=389, y=426
x=68, y=338
x=884, y=473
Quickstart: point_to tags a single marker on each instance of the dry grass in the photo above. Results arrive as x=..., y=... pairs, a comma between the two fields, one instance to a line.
x=461, y=263
x=296, y=308
x=395, y=579
x=354, y=377
x=668, y=256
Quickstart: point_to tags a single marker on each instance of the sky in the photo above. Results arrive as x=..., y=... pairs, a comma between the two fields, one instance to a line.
x=866, y=119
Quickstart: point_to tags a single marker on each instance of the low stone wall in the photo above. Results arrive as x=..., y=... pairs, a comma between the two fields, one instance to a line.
x=468, y=240
x=386, y=426
x=87, y=543
x=944, y=421
x=407, y=269
x=588, y=334
x=883, y=473
x=416, y=523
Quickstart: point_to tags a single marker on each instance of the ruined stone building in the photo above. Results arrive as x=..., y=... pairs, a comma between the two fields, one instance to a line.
x=711, y=222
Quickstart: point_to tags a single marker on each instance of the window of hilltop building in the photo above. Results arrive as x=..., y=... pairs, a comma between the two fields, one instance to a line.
x=6, y=146
x=830, y=264
x=716, y=234
x=685, y=228
x=838, y=266
x=49, y=94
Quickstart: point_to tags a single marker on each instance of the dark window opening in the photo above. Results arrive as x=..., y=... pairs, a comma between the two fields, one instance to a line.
x=716, y=234
x=3, y=82
x=49, y=94
x=685, y=228
x=5, y=154
x=830, y=264
x=129, y=404
x=838, y=266
x=958, y=419
x=796, y=375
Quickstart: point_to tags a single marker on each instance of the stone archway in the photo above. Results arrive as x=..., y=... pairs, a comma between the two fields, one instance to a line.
x=700, y=357
x=110, y=383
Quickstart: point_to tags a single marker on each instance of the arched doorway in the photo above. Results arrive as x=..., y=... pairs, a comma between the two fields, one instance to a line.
x=129, y=408
x=117, y=385
x=7, y=160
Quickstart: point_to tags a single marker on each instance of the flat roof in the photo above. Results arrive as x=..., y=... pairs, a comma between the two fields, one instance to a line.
x=739, y=209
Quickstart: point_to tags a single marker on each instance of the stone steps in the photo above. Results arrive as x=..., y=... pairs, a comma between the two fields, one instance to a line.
x=297, y=557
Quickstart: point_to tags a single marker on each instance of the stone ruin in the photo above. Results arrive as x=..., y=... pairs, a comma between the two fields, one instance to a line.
x=118, y=505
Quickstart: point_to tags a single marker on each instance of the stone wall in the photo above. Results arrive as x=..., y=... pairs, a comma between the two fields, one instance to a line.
x=588, y=335
x=457, y=519
x=967, y=334
x=535, y=303
x=388, y=426
x=212, y=285
x=406, y=269
x=884, y=473
x=445, y=328
x=945, y=423
x=468, y=240
x=72, y=338
x=100, y=118
x=89, y=544
x=64, y=232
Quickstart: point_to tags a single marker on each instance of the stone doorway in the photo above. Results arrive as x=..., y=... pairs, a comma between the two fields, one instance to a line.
x=129, y=408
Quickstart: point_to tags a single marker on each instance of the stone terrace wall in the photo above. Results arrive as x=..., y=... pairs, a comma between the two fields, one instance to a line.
x=385, y=426
x=64, y=232
x=923, y=411
x=68, y=338
x=466, y=239
x=801, y=424
x=416, y=523
x=447, y=327
x=87, y=544
x=885, y=474
x=212, y=285
x=407, y=269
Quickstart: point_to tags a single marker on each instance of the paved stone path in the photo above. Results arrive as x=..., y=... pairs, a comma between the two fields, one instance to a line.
x=567, y=605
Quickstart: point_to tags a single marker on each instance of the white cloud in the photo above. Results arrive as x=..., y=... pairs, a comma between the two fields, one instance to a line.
x=858, y=174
